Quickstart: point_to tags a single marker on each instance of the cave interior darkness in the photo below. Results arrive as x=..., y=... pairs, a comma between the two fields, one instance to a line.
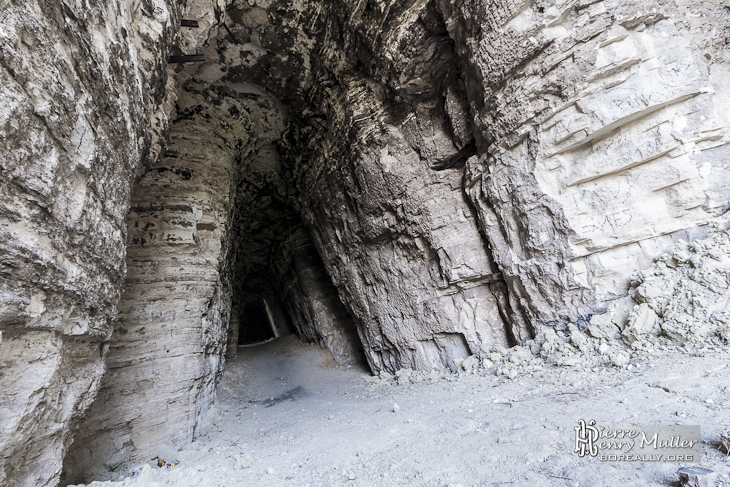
x=255, y=324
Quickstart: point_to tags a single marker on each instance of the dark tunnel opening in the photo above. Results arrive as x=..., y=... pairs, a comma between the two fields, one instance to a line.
x=279, y=283
x=256, y=324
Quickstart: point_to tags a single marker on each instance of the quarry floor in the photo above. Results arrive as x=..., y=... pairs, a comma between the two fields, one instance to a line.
x=286, y=415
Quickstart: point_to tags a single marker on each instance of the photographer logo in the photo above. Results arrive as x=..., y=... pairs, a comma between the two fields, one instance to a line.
x=654, y=443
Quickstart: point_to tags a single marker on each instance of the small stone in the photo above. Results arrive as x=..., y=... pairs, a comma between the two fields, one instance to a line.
x=242, y=461
x=396, y=408
x=519, y=355
x=501, y=350
x=352, y=476
x=469, y=364
x=568, y=361
x=642, y=321
x=696, y=477
x=602, y=326
x=403, y=376
x=578, y=339
x=619, y=359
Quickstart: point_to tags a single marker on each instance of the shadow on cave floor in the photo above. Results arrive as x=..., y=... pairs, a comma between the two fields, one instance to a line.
x=282, y=369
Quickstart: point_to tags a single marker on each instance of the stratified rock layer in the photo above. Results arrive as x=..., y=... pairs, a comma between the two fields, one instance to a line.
x=166, y=356
x=397, y=237
x=601, y=135
x=81, y=111
x=427, y=180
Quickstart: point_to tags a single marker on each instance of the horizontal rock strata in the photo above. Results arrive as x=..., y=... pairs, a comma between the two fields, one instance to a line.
x=84, y=88
x=601, y=140
x=417, y=182
x=166, y=356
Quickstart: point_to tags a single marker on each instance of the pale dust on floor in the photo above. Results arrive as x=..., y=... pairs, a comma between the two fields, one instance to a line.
x=292, y=418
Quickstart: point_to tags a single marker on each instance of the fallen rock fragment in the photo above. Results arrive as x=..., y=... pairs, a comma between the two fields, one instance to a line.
x=696, y=477
x=470, y=364
x=243, y=461
x=725, y=442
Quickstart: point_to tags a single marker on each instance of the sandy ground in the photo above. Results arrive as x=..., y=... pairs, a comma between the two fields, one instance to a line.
x=289, y=417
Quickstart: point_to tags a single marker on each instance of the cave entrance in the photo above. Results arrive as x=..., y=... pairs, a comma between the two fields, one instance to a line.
x=279, y=283
x=256, y=324
x=217, y=240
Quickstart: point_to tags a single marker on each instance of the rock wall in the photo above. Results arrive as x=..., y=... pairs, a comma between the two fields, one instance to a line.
x=598, y=146
x=312, y=302
x=166, y=355
x=397, y=237
x=601, y=142
x=82, y=110
x=597, y=138
x=469, y=173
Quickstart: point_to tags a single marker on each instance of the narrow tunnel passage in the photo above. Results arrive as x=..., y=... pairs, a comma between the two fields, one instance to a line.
x=278, y=281
x=256, y=324
x=271, y=283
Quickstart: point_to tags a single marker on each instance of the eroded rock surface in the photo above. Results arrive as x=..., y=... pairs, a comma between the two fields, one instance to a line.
x=601, y=139
x=84, y=89
x=427, y=180
x=169, y=339
x=397, y=238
